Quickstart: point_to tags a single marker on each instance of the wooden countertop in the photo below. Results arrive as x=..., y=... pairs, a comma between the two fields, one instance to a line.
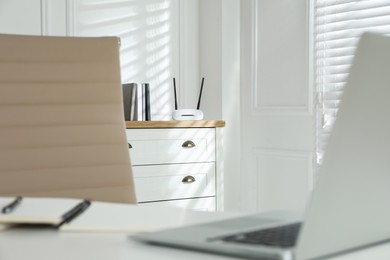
x=175, y=124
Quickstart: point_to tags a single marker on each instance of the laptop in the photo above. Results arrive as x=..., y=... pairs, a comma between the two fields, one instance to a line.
x=350, y=205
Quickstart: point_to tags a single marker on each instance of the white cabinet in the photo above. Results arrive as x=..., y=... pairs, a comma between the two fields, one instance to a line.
x=174, y=181
x=176, y=166
x=162, y=146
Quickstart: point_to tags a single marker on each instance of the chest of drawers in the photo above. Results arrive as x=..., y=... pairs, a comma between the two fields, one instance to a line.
x=177, y=163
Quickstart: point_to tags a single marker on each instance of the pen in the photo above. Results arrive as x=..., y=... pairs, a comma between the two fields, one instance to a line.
x=10, y=207
x=74, y=212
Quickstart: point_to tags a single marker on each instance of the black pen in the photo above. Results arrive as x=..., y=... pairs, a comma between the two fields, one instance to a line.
x=10, y=207
x=74, y=212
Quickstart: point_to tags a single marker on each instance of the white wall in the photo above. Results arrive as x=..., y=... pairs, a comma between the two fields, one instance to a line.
x=219, y=64
x=159, y=38
x=231, y=105
x=210, y=23
x=189, y=53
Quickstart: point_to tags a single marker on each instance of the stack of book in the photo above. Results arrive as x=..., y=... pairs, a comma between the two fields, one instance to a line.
x=136, y=101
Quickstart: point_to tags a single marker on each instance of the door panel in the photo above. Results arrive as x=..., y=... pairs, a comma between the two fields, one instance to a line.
x=277, y=121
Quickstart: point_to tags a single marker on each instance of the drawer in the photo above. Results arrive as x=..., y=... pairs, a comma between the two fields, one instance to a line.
x=167, y=182
x=162, y=146
x=201, y=204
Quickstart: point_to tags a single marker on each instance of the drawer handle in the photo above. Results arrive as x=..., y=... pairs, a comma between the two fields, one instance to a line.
x=188, y=179
x=188, y=144
x=130, y=146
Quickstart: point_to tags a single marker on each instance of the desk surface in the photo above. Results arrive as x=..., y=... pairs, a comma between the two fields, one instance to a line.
x=175, y=124
x=48, y=244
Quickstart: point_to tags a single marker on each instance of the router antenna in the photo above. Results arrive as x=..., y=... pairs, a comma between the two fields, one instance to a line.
x=200, y=94
x=174, y=89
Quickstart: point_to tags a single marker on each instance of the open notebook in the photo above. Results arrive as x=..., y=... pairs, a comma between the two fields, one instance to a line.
x=48, y=211
x=75, y=215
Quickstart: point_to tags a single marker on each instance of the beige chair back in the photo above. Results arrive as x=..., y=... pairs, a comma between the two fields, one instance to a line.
x=62, y=130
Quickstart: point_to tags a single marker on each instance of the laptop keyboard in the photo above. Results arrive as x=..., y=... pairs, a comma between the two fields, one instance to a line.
x=282, y=236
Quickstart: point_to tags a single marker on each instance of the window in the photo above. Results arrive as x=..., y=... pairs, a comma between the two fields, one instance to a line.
x=338, y=26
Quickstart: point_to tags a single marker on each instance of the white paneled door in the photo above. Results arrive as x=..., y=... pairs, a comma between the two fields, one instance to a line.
x=276, y=105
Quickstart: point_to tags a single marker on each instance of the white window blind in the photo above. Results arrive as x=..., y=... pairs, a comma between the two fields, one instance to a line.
x=338, y=26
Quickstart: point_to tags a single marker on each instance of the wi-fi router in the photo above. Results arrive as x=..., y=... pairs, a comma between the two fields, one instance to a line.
x=187, y=114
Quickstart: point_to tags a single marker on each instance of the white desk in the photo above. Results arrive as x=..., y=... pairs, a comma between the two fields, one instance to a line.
x=47, y=244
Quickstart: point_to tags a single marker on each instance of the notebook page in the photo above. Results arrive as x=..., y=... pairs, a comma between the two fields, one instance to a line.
x=37, y=210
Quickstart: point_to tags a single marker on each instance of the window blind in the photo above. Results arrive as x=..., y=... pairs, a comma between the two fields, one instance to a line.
x=338, y=25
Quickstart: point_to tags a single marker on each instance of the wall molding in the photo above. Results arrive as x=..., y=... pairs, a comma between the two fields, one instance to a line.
x=282, y=153
x=257, y=107
x=287, y=157
x=250, y=183
x=44, y=17
x=308, y=156
x=70, y=17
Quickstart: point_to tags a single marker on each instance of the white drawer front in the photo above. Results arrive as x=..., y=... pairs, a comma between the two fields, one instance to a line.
x=165, y=182
x=202, y=204
x=162, y=146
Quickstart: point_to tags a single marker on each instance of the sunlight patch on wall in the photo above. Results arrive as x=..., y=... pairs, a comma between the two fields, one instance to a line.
x=148, y=30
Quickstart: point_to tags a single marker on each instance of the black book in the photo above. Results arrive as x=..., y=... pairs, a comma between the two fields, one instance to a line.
x=146, y=91
x=130, y=101
x=127, y=91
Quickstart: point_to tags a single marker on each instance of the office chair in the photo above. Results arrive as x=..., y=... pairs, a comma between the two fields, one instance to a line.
x=62, y=130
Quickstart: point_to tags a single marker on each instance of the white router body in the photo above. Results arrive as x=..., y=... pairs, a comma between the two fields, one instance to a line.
x=187, y=114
